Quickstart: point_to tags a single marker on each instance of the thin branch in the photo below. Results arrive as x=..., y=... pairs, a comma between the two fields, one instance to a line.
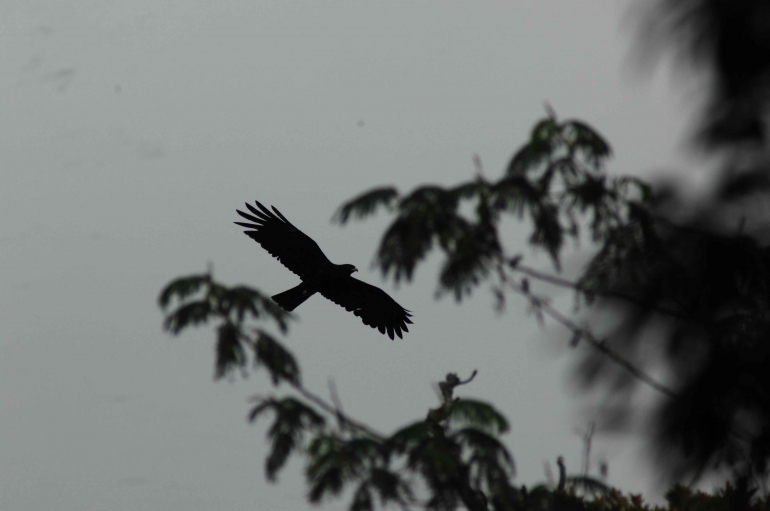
x=558, y=281
x=542, y=304
x=336, y=401
x=333, y=410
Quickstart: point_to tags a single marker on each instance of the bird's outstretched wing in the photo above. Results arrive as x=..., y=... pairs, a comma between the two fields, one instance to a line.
x=373, y=305
x=293, y=248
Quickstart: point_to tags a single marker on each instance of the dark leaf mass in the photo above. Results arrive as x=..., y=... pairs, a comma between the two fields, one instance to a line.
x=301, y=255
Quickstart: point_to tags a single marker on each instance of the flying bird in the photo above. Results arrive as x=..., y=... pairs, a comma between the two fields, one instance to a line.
x=302, y=256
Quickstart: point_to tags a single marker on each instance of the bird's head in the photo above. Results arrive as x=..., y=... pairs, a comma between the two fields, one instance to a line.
x=349, y=268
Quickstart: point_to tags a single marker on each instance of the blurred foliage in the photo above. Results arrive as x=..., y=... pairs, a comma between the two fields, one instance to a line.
x=451, y=459
x=199, y=299
x=708, y=288
x=730, y=40
x=454, y=454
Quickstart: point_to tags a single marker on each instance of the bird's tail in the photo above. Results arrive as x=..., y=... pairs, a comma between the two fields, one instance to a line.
x=292, y=298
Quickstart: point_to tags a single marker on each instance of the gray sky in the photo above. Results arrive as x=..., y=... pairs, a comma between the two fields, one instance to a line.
x=132, y=130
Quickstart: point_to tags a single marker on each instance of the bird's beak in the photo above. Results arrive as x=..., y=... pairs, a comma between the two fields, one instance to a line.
x=355, y=269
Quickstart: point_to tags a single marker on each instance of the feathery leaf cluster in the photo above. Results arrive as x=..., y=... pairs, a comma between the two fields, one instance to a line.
x=554, y=179
x=200, y=299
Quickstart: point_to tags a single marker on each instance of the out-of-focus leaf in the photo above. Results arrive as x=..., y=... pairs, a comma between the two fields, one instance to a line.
x=539, y=148
x=407, y=438
x=193, y=313
x=229, y=350
x=587, y=141
x=645, y=190
x=245, y=299
x=477, y=414
x=547, y=231
x=428, y=213
x=277, y=359
x=282, y=446
x=514, y=194
x=362, y=499
x=181, y=288
x=230, y=304
x=487, y=452
x=334, y=462
x=468, y=259
x=390, y=486
x=437, y=460
x=366, y=204
x=325, y=472
x=588, y=193
x=236, y=302
x=469, y=190
x=292, y=420
x=404, y=244
x=431, y=200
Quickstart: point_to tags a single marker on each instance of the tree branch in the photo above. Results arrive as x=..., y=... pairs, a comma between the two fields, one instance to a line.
x=558, y=281
x=541, y=304
x=336, y=412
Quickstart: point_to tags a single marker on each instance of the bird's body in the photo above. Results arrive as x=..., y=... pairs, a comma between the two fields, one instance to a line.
x=300, y=254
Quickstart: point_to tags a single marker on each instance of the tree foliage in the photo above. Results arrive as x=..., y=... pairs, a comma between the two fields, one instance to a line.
x=554, y=180
x=700, y=279
x=707, y=286
x=454, y=452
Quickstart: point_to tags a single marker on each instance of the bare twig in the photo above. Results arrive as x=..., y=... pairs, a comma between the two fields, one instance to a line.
x=559, y=281
x=542, y=305
x=344, y=420
x=336, y=401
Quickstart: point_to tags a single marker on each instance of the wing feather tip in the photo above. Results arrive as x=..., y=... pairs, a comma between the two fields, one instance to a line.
x=248, y=226
x=257, y=212
x=265, y=210
x=250, y=218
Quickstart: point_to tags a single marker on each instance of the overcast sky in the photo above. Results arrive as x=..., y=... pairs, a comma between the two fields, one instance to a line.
x=131, y=131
